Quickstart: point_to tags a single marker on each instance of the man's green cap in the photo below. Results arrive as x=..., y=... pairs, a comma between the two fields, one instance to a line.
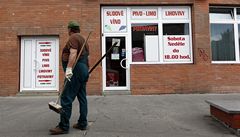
x=73, y=24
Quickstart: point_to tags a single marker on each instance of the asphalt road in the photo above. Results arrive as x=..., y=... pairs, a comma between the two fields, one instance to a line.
x=185, y=115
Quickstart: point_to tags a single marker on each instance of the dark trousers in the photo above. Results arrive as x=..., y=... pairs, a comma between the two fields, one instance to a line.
x=73, y=89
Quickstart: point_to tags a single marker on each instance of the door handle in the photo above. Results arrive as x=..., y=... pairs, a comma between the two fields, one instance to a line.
x=37, y=65
x=122, y=64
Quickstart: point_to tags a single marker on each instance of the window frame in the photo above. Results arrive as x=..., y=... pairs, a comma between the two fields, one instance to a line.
x=238, y=8
x=160, y=21
x=231, y=14
x=235, y=23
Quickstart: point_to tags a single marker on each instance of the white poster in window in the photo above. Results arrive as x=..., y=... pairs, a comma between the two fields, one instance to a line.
x=115, y=20
x=144, y=13
x=45, y=64
x=176, y=48
x=175, y=13
x=114, y=40
x=115, y=56
x=151, y=48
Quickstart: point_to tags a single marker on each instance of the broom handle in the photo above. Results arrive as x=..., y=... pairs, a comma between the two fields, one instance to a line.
x=79, y=54
x=102, y=57
x=81, y=50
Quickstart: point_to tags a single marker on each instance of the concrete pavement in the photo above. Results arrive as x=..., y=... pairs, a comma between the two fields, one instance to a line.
x=185, y=115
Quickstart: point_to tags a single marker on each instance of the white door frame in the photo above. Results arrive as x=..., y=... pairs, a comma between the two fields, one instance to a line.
x=127, y=87
x=34, y=64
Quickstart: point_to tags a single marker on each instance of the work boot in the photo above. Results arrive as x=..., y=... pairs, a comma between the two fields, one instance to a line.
x=76, y=126
x=57, y=130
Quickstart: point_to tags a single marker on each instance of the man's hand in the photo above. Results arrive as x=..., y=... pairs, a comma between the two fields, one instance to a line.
x=71, y=60
x=68, y=74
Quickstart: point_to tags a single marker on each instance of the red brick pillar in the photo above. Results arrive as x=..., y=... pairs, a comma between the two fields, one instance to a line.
x=201, y=32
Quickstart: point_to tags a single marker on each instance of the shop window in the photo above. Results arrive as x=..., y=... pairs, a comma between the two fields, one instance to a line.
x=221, y=14
x=238, y=18
x=176, y=40
x=239, y=36
x=159, y=35
x=223, y=39
x=222, y=42
x=176, y=29
x=238, y=13
x=145, y=42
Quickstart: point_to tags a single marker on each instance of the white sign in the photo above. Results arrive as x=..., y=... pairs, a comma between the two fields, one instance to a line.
x=175, y=13
x=115, y=56
x=144, y=14
x=114, y=40
x=176, y=48
x=45, y=76
x=115, y=20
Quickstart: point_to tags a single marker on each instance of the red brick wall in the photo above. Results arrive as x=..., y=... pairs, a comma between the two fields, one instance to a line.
x=199, y=77
x=224, y=2
x=145, y=2
x=9, y=60
x=192, y=78
x=27, y=17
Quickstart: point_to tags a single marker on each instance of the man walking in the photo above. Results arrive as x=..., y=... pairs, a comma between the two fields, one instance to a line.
x=77, y=79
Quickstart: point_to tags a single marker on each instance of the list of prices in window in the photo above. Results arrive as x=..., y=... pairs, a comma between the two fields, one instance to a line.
x=176, y=48
x=46, y=62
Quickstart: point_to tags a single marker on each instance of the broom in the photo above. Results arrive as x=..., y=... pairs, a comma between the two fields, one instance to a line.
x=55, y=106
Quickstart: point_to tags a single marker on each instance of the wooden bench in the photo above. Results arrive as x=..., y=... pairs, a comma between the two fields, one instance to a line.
x=227, y=112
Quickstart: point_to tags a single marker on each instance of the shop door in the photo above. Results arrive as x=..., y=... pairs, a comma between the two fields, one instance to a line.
x=115, y=66
x=39, y=64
